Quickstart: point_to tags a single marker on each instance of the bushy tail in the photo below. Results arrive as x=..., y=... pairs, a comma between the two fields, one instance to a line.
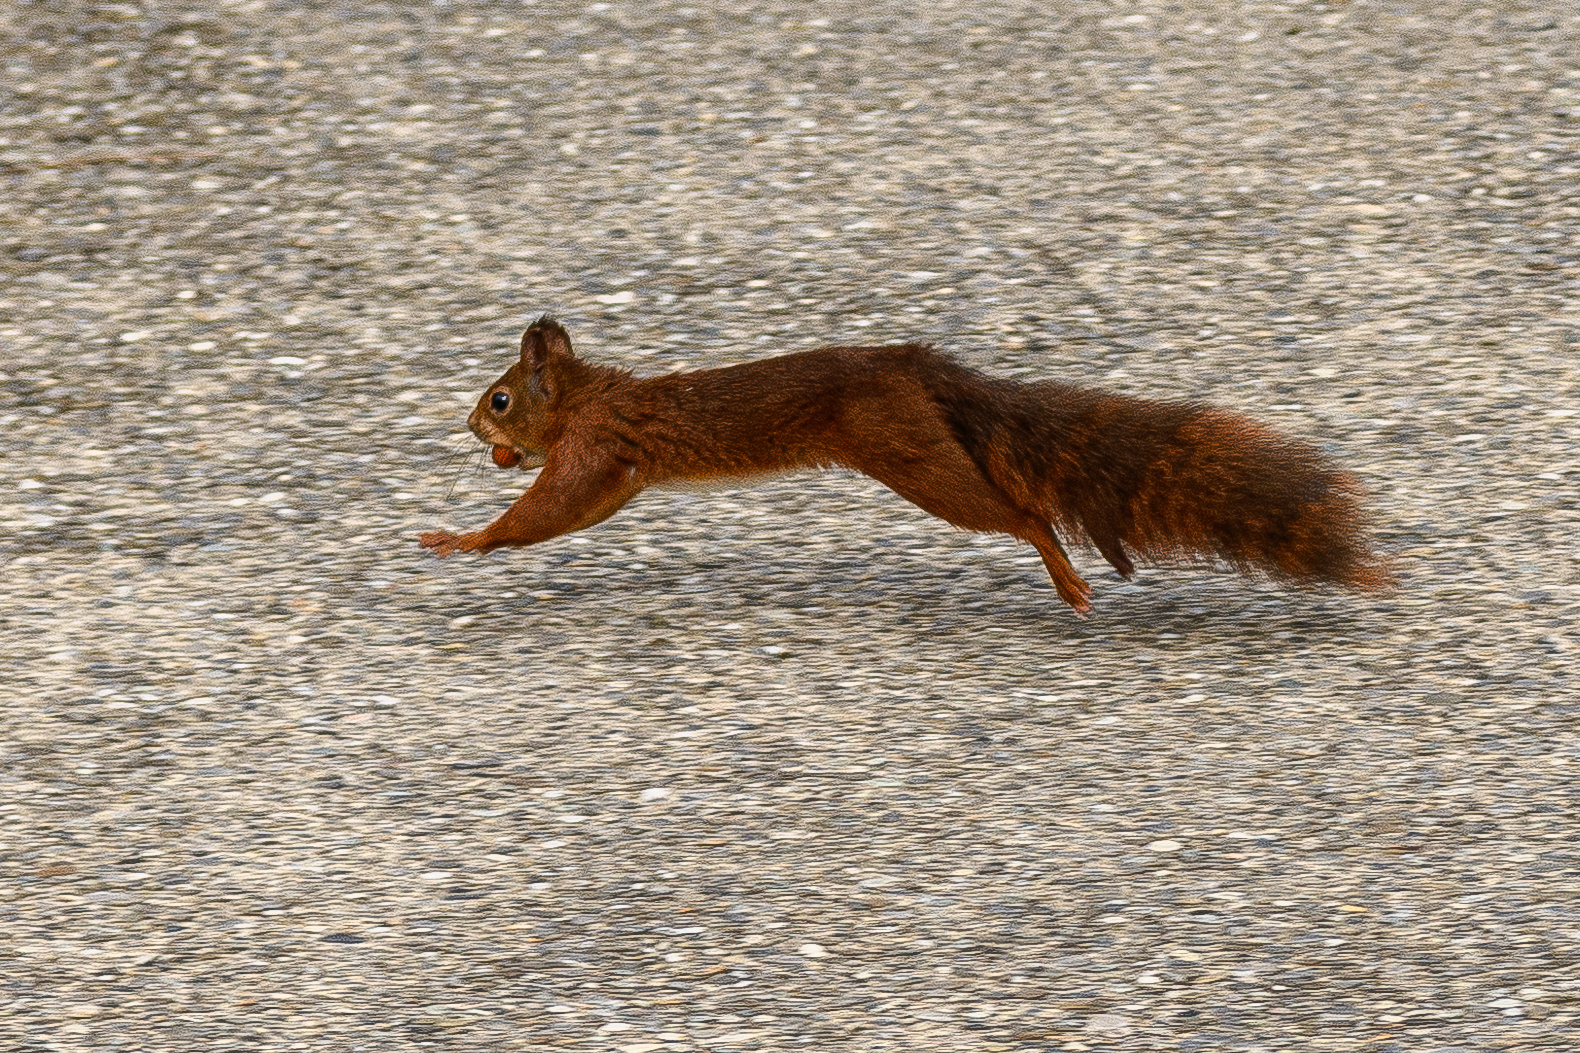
x=1175, y=482
x=1226, y=487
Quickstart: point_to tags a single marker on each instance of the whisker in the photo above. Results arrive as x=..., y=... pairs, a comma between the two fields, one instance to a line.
x=467, y=454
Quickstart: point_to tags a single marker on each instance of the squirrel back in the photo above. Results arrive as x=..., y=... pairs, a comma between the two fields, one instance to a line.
x=1163, y=480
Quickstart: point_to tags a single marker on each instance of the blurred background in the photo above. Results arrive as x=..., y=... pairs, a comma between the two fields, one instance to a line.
x=795, y=766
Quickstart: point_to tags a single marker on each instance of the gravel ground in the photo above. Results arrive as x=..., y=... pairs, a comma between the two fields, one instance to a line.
x=795, y=766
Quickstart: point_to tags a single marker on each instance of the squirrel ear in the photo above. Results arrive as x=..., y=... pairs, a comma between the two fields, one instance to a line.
x=543, y=340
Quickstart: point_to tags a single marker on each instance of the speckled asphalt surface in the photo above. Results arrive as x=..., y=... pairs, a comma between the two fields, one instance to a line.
x=793, y=767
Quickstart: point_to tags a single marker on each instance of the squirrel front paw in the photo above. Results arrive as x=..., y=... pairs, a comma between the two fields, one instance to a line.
x=442, y=542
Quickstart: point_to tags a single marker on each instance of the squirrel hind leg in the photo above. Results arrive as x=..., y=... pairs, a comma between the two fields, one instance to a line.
x=1072, y=588
x=1113, y=550
x=951, y=487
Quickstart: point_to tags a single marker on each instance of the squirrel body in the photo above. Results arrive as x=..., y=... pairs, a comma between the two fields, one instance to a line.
x=1163, y=480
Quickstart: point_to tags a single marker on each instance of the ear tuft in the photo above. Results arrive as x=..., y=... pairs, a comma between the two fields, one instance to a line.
x=545, y=348
x=543, y=340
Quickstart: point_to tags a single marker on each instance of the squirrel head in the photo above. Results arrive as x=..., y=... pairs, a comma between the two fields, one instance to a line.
x=513, y=413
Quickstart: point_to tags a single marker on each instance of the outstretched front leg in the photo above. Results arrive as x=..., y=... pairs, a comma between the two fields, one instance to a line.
x=569, y=494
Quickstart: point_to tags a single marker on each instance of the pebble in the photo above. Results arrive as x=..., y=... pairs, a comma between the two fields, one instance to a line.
x=1109, y=1024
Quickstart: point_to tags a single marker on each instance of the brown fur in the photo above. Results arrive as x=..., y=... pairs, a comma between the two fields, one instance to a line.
x=1165, y=481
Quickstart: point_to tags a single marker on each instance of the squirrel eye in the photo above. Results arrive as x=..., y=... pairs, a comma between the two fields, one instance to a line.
x=500, y=401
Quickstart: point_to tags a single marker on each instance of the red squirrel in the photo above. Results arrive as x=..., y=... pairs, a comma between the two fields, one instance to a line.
x=1159, y=480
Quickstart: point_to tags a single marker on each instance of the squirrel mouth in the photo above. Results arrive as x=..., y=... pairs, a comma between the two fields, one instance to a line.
x=506, y=456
